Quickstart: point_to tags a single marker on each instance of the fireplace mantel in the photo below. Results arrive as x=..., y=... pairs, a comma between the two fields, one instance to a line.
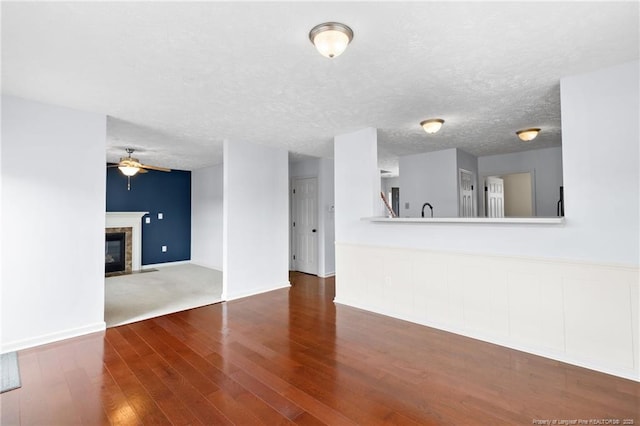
x=129, y=220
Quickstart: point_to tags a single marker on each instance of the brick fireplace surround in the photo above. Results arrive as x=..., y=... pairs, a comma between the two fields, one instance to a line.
x=128, y=238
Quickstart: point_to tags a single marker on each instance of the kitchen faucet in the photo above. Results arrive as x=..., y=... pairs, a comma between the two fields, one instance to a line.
x=425, y=205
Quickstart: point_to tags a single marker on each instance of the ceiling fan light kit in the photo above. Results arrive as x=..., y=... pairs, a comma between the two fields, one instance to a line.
x=130, y=166
x=128, y=170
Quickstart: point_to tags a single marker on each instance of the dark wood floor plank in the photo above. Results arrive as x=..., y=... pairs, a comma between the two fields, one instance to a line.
x=233, y=410
x=292, y=356
x=115, y=403
x=197, y=404
x=320, y=376
x=85, y=399
x=280, y=403
x=50, y=367
x=323, y=374
x=10, y=408
x=34, y=403
x=152, y=334
x=126, y=341
x=309, y=403
x=190, y=385
x=230, y=389
x=226, y=398
x=147, y=410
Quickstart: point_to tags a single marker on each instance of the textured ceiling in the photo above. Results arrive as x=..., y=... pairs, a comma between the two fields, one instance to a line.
x=176, y=79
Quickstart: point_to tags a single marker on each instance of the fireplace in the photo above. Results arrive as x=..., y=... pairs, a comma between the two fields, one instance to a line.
x=115, y=252
x=131, y=224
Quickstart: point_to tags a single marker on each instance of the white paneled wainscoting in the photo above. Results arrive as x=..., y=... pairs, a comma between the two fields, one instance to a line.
x=582, y=313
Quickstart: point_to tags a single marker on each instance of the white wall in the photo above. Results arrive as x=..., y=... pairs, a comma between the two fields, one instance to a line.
x=304, y=168
x=601, y=174
x=53, y=220
x=322, y=169
x=546, y=168
x=255, y=219
x=430, y=177
x=206, y=216
x=357, y=184
x=584, y=274
x=326, y=204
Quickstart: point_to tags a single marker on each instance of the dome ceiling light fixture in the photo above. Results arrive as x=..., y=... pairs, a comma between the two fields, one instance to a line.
x=331, y=38
x=527, y=135
x=432, y=125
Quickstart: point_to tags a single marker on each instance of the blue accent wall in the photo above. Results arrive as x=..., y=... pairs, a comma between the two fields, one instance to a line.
x=156, y=192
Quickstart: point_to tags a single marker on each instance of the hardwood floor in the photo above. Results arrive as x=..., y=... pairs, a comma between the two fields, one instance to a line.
x=292, y=356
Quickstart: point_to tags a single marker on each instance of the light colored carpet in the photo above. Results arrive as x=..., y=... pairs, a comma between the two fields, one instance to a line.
x=10, y=372
x=139, y=296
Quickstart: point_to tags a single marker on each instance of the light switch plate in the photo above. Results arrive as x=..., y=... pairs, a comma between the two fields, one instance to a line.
x=164, y=249
x=160, y=215
x=147, y=219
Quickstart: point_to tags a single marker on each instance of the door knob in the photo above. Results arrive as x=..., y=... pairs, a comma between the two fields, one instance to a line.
x=313, y=230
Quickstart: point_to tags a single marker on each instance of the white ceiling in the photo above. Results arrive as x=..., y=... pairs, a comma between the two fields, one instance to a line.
x=176, y=79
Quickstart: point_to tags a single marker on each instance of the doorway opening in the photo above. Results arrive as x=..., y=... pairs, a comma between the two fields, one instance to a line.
x=509, y=195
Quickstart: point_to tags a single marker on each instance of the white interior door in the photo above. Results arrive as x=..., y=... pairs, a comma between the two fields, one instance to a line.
x=466, y=194
x=495, y=196
x=305, y=225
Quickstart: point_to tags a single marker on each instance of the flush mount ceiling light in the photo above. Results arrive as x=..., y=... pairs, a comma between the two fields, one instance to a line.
x=331, y=38
x=432, y=125
x=528, y=134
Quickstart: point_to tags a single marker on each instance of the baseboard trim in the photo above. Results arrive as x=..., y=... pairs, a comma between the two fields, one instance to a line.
x=556, y=356
x=53, y=337
x=253, y=292
x=166, y=264
x=328, y=275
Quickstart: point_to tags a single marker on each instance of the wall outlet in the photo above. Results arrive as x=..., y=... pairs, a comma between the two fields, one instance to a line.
x=406, y=205
x=147, y=219
x=160, y=215
x=164, y=249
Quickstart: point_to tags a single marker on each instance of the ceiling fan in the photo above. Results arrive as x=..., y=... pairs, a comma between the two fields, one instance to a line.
x=130, y=166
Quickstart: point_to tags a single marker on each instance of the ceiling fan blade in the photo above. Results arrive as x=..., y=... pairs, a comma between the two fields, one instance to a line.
x=141, y=170
x=160, y=169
